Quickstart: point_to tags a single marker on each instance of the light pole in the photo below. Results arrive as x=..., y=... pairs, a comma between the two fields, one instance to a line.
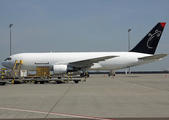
x=129, y=44
x=10, y=25
x=129, y=39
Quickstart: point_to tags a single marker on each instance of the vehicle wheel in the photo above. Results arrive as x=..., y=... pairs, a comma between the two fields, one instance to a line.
x=76, y=81
x=41, y=82
x=35, y=82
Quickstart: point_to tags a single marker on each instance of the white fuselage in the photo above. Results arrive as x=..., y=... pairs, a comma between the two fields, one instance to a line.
x=33, y=60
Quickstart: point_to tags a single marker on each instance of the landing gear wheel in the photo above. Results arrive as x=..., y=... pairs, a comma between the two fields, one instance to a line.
x=76, y=81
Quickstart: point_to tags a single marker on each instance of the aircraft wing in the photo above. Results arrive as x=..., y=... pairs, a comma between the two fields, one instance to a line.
x=154, y=57
x=87, y=63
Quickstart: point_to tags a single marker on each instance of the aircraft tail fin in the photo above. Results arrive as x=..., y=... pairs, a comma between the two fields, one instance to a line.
x=149, y=43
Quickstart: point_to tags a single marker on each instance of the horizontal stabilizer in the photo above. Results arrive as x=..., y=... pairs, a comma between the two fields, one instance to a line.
x=153, y=57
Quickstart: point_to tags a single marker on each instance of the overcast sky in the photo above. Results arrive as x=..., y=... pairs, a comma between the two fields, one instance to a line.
x=81, y=25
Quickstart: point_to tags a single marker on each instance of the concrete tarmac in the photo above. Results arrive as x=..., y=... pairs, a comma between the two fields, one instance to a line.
x=124, y=97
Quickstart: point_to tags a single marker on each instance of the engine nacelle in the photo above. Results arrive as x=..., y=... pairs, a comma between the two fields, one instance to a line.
x=59, y=69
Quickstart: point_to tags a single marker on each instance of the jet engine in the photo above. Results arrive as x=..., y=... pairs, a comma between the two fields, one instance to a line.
x=59, y=69
x=62, y=69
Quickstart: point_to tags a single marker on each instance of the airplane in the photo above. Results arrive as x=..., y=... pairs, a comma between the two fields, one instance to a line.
x=64, y=62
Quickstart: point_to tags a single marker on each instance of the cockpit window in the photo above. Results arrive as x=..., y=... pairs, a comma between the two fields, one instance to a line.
x=7, y=59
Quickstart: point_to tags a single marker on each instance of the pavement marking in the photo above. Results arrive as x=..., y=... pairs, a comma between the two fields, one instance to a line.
x=58, y=102
x=53, y=113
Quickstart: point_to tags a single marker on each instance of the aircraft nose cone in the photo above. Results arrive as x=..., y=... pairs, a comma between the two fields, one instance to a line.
x=3, y=64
